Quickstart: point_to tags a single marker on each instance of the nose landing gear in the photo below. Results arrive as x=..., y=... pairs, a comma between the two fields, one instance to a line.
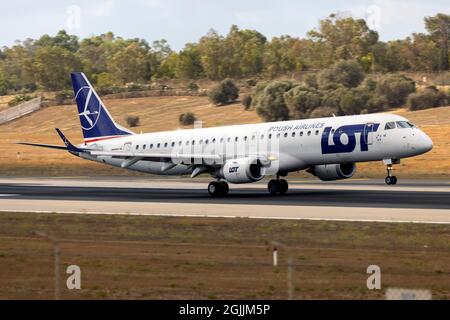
x=390, y=179
x=218, y=188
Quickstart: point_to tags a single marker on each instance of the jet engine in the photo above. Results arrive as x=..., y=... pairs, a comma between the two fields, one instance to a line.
x=243, y=170
x=330, y=172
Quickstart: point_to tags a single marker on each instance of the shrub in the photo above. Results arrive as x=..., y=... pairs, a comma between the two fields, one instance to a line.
x=269, y=101
x=21, y=98
x=354, y=101
x=133, y=121
x=193, y=87
x=348, y=73
x=251, y=82
x=443, y=79
x=332, y=98
x=321, y=112
x=247, y=102
x=187, y=118
x=428, y=98
x=225, y=92
x=300, y=101
x=63, y=97
x=396, y=89
x=311, y=80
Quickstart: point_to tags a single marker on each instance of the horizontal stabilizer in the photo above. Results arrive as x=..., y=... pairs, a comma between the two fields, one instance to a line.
x=50, y=146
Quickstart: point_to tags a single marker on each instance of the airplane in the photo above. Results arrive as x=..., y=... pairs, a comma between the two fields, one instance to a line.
x=328, y=148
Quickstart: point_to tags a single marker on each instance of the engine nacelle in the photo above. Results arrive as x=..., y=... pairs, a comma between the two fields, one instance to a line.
x=330, y=172
x=243, y=170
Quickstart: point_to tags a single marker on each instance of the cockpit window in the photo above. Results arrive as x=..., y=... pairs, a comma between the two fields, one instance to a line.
x=404, y=124
x=389, y=125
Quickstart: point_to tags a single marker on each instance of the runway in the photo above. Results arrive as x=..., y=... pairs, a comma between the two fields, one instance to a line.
x=363, y=200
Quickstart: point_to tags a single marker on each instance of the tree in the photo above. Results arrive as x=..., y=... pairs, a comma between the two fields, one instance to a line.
x=131, y=63
x=225, y=92
x=301, y=101
x=338, y=39
x=52, y=67
x=347, y=73
x=269, y=102
x=439, y=28
x=189, y=64
x=395, y=88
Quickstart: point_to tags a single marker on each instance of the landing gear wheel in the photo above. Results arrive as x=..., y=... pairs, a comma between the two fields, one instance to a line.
x=388, y=180
x=391, y=180
x=214, y=189
x=283, y=186
x=273, y=187
x=224, y=188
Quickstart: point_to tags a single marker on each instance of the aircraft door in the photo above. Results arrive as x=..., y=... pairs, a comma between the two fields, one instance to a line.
x=368, y=133
x=127, y=147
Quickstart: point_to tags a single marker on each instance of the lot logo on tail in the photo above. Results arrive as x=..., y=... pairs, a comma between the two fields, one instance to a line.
x=92, y=109
x=350, y=131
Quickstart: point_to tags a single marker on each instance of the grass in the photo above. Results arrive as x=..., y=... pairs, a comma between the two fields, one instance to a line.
x=127, y=257
x=162, y=113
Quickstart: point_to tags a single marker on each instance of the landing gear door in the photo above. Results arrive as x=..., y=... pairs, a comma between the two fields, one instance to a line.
x=368, y=133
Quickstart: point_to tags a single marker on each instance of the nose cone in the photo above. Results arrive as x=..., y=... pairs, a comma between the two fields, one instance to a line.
x=425, y=143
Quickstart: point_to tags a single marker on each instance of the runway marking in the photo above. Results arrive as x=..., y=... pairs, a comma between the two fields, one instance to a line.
x=224, y=216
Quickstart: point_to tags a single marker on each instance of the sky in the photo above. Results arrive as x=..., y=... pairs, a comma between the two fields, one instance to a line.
x=183, y=21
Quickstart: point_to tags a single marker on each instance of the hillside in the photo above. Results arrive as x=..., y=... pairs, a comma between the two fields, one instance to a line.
x=161, y=113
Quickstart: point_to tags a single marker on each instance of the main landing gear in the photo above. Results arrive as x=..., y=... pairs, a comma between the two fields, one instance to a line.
x=218, y=188
x=390, y=179
x=278, y=186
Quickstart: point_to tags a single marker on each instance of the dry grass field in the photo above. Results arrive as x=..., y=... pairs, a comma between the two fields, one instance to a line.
x=161, y=113
x=132, y=257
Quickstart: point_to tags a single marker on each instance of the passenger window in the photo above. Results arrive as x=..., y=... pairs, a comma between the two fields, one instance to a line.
x=293, y=134
x=137, y=147
x=389, y=126
x=270, y=136
x=278, y=135
x=285, y=134
x=245, y=138
x=145, y=146
x=301, y=133
x=262, y=137
x=159, y=145
x=309, y=133
x=151, y=146
x=236, y=139
x=165, y=145
x=317, y=132
x=206, y=141
x=173, y=144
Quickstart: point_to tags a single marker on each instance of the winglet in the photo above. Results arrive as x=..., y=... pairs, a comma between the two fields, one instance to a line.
x=70, y=146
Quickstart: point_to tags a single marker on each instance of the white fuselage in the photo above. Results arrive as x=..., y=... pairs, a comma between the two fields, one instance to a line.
x=291, y=145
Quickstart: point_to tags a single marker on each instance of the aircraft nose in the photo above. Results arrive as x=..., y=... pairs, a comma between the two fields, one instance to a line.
x=426, y=144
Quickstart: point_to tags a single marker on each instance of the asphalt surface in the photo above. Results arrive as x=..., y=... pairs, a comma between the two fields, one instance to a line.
x=333, y=197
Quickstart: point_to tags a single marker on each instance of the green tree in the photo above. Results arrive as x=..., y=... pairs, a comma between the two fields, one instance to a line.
x=338, y=39
x=225, y=92
x=439, y=28
x=269, y=102
x=395, y=88
x=347, y=73
x=301, y=101
x=52, y=67
x=131, y=64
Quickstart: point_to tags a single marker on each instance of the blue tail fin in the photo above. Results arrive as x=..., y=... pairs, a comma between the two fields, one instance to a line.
x=96, y=122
